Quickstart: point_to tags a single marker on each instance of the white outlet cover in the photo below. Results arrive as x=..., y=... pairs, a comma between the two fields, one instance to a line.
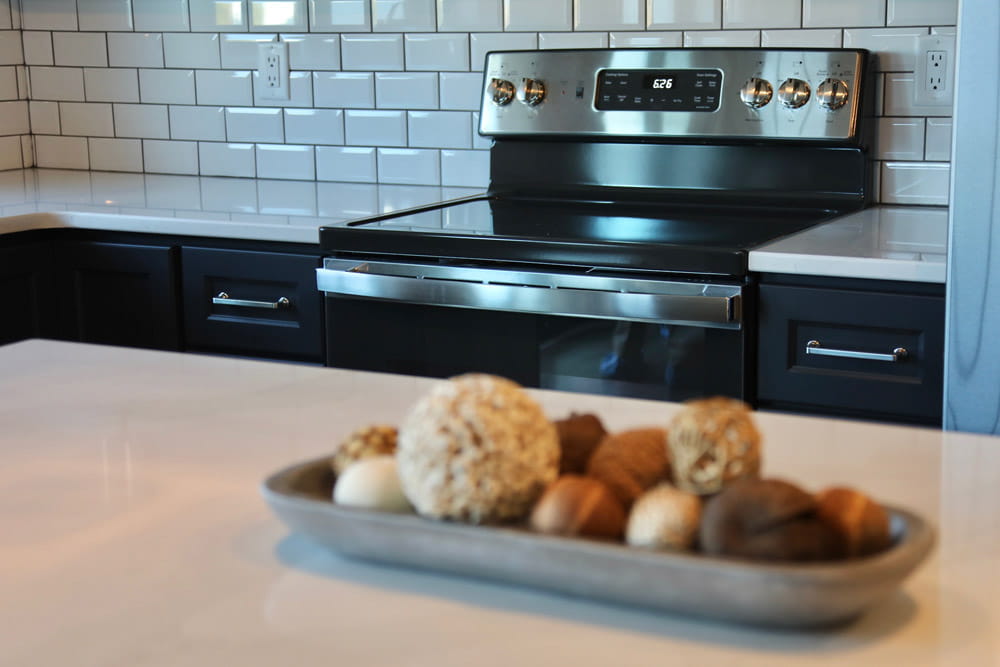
x=922, y=94
x=272, y=71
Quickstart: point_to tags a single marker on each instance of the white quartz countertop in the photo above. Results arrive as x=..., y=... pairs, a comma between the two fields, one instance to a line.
x=883, y=242
x=132, y=532
x=890, y=243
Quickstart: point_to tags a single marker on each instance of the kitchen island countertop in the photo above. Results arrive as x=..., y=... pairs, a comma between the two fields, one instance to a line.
x=132, y=531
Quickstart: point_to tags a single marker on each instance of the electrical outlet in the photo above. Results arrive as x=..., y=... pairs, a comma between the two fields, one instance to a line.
x=934, y=78
x=272, y=71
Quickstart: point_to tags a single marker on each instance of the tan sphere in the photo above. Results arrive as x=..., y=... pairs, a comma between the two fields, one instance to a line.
x=712, y=442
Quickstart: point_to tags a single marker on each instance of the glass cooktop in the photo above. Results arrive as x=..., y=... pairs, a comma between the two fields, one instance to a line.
x=677, y=238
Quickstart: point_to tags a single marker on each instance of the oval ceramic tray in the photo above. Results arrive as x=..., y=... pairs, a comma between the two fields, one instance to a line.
x=791, y=595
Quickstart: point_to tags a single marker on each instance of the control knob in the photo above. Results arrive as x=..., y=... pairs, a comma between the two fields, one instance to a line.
x=756, y=93
x=832, y=94
x=793, y=93
x=501, y=91
x=534, y=92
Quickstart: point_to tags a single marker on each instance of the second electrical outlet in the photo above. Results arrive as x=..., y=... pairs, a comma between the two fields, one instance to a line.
x=272, y=71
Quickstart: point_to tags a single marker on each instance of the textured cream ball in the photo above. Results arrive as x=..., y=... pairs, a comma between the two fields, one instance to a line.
x=371, y=483
x=664, y=518
x=476, y=448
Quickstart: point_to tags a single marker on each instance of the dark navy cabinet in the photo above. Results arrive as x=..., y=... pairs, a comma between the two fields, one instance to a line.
x=26, y=291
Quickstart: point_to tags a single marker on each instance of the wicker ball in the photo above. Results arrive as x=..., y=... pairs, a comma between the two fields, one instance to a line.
x=712, y=442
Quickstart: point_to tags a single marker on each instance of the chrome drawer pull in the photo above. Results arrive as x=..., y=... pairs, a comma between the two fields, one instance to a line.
x=223, y=299
x=813, y=347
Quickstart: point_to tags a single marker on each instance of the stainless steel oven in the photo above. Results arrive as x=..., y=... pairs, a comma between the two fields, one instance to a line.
x=609, y=254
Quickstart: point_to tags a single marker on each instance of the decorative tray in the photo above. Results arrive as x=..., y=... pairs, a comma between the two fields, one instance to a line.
x=790, y=595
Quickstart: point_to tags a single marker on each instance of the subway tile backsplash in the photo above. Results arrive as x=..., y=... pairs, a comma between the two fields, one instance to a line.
x=387, y=90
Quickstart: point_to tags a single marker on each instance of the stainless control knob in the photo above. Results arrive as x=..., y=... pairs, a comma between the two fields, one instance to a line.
x=832, y=94
x=501, y=91
x=756, y=93
x=534, y=92
x=793, y=93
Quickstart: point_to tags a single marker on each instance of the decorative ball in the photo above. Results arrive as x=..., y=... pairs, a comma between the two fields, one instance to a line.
x=664, y=518
x=631, y=462
x=371, y=483
x=861, y=522
x=372, y=440
x=574, y=505
x=712, y=442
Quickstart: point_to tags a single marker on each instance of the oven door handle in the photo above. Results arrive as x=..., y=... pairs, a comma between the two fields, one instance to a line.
x=577, y=295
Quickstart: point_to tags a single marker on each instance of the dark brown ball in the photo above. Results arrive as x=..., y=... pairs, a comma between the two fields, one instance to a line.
x=767, y=519
x=579, y=435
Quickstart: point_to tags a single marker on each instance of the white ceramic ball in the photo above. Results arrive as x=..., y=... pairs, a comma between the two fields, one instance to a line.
x=371, y=483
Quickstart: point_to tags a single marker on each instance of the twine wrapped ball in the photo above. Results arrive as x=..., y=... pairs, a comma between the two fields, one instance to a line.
x=477, y=449
x=712, y=442
x=362, y=443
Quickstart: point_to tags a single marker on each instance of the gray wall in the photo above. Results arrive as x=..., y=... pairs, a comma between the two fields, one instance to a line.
x=972, y=357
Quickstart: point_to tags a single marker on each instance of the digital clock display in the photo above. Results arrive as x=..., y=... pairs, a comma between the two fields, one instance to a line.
x=659, y=90
x=658, y=82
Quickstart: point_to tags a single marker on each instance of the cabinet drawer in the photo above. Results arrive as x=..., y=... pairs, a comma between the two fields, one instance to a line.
x=246, y=302
x=802, y=327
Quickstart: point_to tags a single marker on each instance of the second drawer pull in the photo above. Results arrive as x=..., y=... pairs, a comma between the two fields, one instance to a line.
x=223, y=299
x=815, y=347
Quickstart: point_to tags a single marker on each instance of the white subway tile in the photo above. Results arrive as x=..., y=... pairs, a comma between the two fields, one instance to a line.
x=299, y=88
x=646, y=40
x=280, y=197
x=83, y=119
x=371, y=52
x=44, y=117
x=166, y=86
x=11, y=51
x=56, y=83
x=218, y=15
x=126, y=190
x=838, y=13
x=403, y=15
x=254, y=125
x=197, y=51
x=239, y=51
x=139, y=49
x=823, y=38
x=944, y=30
x=80, y=49
x=6, y=21
x=894, y=46
x=346, y=201
x=440, y=129
x=900, y=139
x=340, y=15
x=11, y=158
x=227, y=194
x=918, y=183
x=104, y=14
x=176, y=192
x=535, y=15
x=314, y=126
x=223, y=159
x=609, y=14
x=478, y=140
x=683, y=14
x=406, y=90
x=144, y=121
x=115, y=154
x=169, y=157
x=161, y=15
x=469, y=15
x=375, y=128
x=400, y=197
x=224, y=88
x=481, y=43
x=281, y=161
x=14, y=118
x=21, y=75
x=742, y=14
x=465, y=168
x=61, y=152
x=437, y=52
x=898, y=98
x=37, y=48
x=572, y=40
x=938, y=144
x=49, y=15
x=269, y=15
x=197, y=123
x=922, y=12
x=461, y=91
x=344, y=89
x=345, y=163
x=722, y=38
x=313, y=51
x=9, y=81
x=111, y=85
x=408, y=166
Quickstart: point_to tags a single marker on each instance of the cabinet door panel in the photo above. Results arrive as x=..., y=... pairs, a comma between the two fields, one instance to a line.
x=25, y=291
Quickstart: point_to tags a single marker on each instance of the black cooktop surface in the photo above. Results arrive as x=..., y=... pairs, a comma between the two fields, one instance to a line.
x=667, y=237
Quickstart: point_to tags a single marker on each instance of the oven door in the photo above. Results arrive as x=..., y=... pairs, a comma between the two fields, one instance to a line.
x=660, y=339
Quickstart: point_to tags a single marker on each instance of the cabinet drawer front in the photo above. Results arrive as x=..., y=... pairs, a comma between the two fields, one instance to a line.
x=865, y=353
x=246, y=302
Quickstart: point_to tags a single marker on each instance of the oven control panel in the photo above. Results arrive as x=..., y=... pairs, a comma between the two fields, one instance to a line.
x=782, y=94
